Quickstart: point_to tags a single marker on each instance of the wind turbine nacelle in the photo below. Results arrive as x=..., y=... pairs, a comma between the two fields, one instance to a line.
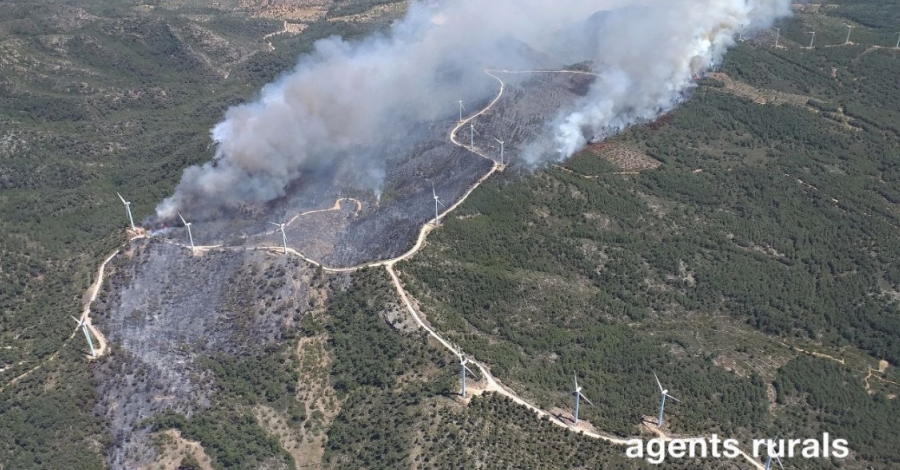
x=665, y=392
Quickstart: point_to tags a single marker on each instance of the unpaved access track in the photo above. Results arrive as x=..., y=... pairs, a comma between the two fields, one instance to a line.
x=101, y=346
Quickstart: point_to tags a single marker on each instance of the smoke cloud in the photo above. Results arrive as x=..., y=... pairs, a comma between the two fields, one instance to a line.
x=329, y=115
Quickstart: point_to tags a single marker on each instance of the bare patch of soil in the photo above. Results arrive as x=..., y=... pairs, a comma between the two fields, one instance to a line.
x=373, y=14
x=174, y=448
x=307, y=11
x=623, y=156
x=757, y=95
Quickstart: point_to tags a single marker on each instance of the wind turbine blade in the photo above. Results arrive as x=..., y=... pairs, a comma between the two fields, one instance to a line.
x=673, y=398
x=470, y=370
x=585, y=399
x=277, y=225
x=779, y=462
x=77, y=321
x=498, y=140
x=657, y=382
x=576, y=379
x=122, y=198
x=441, y=203
x=182, y=219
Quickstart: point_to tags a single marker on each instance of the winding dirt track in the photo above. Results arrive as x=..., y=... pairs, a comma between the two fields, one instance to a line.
x=93, y=291
x=492, y=384
x=334, y=208
x=100, y=347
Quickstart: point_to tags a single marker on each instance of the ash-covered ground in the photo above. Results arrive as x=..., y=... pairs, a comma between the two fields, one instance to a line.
x=521, y=116
x=162, y=310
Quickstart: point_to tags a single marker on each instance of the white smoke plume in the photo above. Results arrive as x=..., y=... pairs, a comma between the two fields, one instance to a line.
x=651, y=55
x=343, y=99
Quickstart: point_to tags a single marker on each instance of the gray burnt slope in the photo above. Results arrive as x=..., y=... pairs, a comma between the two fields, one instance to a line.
x=522, y=116
x=163, y=311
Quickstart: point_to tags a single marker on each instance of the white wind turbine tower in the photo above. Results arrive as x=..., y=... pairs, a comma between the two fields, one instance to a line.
x=849, y=29
x=578, y=397
x=777, y=35
x=769, y=461
x=898, y=42
x=502, y=143
x=87, y=335
x=128, y=210
x=462, y=362
x=663, y=393
x=436, y=202
x=813, y=39
x=741, y=34
x=190, y=235
x=472, y=133
x=461, y=109
x=283, y=234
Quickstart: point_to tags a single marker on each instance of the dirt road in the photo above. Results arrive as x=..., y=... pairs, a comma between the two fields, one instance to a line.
x=90, y=297
x=93, y=291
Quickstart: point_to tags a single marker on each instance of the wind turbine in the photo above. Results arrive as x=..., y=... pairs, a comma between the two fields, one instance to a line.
x=769, y=460
x=813, y=39
x=741, y=33
x=898, y=42
x=578, y=397
x=87, y=335
x=127, y=209
x=462, y=362
x=283, y=235
x=472, y=133
x=777, y=36
x=461, y=109
x=501, y=148
x=436, y=202
x=663, y=393
x=190, y=235
x=849, y=29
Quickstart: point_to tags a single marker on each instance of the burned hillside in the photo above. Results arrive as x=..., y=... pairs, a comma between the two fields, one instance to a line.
x=522, y=116
x=166, y=312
